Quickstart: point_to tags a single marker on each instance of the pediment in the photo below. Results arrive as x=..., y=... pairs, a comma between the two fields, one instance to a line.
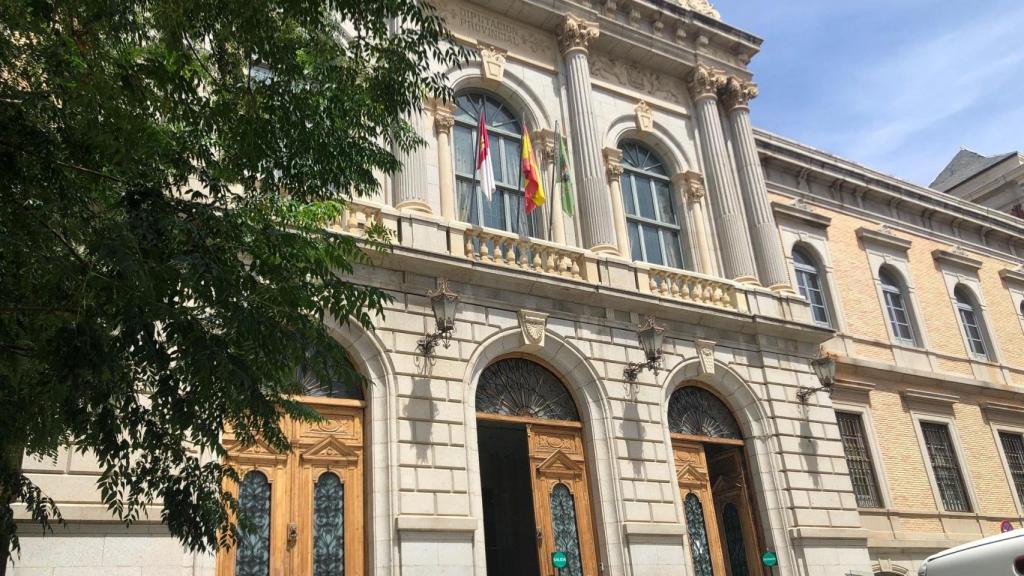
x=258, y=451
x=691, y=475
x=330, y=450
x=559, y=464
x=724, y=485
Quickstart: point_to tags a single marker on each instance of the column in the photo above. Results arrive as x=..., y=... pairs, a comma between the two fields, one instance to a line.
x=409, y=183
x=726, y=204
x=444, y=119
x=613, y=168
x=771, y=264
x=594, y=201
x=547, y=142
x=692, y=196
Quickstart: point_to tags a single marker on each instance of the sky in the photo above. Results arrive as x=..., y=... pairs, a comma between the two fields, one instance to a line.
x=897, y=85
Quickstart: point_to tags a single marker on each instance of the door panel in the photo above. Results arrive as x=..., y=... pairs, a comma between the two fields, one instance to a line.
x=732, y=507
x=695, y=490
x=560, y=490
x=333, y=447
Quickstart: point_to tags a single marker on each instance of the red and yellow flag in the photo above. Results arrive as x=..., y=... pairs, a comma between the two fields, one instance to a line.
x=533, y=189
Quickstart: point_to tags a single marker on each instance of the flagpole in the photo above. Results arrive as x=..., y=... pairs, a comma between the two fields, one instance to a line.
x=476, y=168
x=553, y=169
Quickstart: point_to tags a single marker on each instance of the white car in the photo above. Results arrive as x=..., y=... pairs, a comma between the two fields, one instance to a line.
x=999, y=555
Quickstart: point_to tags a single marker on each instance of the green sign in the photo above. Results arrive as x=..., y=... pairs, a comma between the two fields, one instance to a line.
x=769, y=559
x=558, y=559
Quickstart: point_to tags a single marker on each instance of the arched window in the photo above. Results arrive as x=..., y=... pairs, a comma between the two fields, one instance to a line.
x=694, y=411
x=808, y=281
x=506, y=210
x=520, y=387
x=970, y=319
x=650, y=213
x=896, y=306
x=329, y=526
x=343, y=380
x=252, y=557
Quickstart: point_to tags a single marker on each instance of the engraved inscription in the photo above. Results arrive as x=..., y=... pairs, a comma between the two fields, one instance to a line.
x=494, y=29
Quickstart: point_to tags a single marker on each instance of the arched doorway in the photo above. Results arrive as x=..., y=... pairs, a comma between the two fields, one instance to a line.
x=533, y=473
x=707, y=446
x=305, y=507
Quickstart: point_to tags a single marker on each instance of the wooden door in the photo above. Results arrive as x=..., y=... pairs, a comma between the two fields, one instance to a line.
x=561, y=499
x=733, y=510
x=325, y=468
x=698, y=508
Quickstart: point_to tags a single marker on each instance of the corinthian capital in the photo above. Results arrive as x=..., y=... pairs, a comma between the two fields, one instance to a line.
x=737, y=94
x=705, y=81
x=576, y=33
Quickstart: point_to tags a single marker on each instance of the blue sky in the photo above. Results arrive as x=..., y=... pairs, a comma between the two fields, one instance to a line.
x=897, y=85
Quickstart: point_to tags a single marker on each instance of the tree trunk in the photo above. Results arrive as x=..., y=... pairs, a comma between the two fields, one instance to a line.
x=10, y=473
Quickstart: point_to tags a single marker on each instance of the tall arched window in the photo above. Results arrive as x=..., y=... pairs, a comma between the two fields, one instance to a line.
x=896, y=306
x=808, y=281
x=650, y=213
x=970, y=319
x=253, y=553
x=506, y=210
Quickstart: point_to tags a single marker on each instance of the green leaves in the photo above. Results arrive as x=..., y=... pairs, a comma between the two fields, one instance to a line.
x=169, y=169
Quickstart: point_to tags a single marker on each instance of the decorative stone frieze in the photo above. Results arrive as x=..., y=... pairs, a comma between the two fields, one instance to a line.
x=492, y=61
x=576, y=34
x=736, y=93
x=533, y=326
x=644, y=117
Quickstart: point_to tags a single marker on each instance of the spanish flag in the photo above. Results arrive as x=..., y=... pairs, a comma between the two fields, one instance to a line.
x=533, y=189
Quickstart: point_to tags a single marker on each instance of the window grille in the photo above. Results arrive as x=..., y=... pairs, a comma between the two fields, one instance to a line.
x=253, y=552
x=519, y=387
x=945, y=467
x=858, y=460
x=1013, y=449
x=695, y=411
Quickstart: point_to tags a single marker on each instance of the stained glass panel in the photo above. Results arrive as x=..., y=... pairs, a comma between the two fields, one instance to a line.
x=695, y=411
x=563, y=523
x=329, y=526
x=734, y=540
x=519, y=387
x=252, y=557
x=698, y=532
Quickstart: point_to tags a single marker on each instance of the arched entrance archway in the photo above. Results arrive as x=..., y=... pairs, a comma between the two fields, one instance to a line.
x=305, y=507
x=533, y=472
x=707, y=446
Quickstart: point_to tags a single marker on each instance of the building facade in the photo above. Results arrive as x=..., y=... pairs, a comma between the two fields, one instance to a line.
x=525, y=435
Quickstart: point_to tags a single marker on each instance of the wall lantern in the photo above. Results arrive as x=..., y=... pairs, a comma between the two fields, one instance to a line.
x=443, y=302
x=650, y=335
x=825, y=369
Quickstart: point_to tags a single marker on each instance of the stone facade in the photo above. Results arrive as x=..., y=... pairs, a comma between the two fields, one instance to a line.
x=674, y=80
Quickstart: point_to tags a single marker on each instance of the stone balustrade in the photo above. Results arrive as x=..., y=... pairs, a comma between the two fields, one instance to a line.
x=357, y=217
x=513, y=251
x=688, y=286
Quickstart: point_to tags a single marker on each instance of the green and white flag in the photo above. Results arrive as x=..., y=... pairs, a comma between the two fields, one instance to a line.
x=568, y=206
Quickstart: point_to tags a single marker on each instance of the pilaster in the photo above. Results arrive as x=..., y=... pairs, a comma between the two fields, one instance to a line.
x=614, y=170
x=691, y=192
x=409, y=183
x=444, y=120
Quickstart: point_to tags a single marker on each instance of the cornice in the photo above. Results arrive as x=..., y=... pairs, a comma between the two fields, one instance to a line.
x=1009, y=275
x=912, y=396
x=881, y=238
x=947, y=257
x=802, y=214
x=1002, y=411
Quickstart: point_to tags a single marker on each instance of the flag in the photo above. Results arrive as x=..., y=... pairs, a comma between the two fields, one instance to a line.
x=483, y=160
x=533, y=189
x=563, y=176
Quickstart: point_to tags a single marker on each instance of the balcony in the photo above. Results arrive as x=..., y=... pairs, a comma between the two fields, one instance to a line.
x=485, y=256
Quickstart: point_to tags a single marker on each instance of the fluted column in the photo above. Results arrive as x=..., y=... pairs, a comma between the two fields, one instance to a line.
x=771, y=264
x=409, y=183
x=726, y=203
x=692, y=196
x=594, y=199
x=444, y=119
x=613, y=168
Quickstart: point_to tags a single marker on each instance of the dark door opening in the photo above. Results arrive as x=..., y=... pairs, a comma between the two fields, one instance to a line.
x=510, y=531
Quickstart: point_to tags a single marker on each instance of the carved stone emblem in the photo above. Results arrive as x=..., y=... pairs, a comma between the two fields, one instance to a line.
x=694, y=186
x=534, y=327
x=576, y=33
x=492, y=61
x=644, y=117
x=700, y=6
x=706, y=353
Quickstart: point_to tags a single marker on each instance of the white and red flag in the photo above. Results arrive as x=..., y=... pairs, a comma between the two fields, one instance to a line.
x=483, y=160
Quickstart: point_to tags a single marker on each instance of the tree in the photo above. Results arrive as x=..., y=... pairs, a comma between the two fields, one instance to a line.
x=169, y=168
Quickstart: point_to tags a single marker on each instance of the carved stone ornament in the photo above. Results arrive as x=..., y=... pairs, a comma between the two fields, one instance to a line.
x=694, y=186
x=737, y=94
x=533, y=326
x=492, y=60
x=613, y=163
x=699, y=6
x=576, y=33
x=644, y=117
x=705, y=81
x=444, y=118
x=706, y=354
